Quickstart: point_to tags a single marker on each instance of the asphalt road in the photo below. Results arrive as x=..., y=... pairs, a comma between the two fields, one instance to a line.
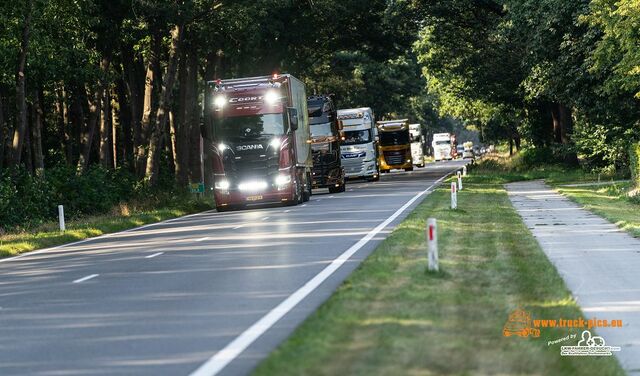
x=165, y=299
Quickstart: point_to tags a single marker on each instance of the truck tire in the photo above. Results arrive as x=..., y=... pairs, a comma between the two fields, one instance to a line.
x=306, y=196
x=408, y=169
x=338, y=189
x=226, y=208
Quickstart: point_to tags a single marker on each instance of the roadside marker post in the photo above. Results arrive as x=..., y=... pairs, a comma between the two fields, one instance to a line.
x=464, y=170
x=454, y=196
x=432, y=244
x=459, y=183
x=61, y=217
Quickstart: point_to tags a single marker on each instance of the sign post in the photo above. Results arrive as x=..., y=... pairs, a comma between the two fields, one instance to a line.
x=432, y=244
x=454, y=196
x=61, y=218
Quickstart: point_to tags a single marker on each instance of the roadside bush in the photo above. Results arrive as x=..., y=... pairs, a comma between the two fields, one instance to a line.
x=29, y=200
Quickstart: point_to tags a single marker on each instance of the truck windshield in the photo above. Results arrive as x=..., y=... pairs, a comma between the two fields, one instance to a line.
x=357, y=137
x=394, y=138
x=319, y=130
x=446, y=142
x=249, y=127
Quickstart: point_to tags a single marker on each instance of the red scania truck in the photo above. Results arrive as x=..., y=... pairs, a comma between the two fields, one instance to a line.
x=257, y=141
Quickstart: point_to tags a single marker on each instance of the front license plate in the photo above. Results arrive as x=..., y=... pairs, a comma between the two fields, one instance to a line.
x=254, y=198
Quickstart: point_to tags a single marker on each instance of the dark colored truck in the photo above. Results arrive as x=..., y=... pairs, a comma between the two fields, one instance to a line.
x=257, y=141
x=325, y=144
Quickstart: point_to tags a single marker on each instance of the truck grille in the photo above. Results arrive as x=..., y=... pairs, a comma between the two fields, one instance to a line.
x=394, y=157
x=252, y=167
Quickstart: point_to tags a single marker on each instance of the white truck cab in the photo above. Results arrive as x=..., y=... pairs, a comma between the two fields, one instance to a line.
x=417, y=144
x=359, y=148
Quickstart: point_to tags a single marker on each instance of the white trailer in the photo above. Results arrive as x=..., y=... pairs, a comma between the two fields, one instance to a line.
x=441, y=146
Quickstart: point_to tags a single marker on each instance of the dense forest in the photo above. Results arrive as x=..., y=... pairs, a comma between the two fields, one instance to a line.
x=107, y=94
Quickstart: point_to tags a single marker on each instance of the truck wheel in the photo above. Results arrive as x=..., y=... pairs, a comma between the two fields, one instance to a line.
x=222, y=209
x=408, y=169
x=339, y=189
x=307, y=193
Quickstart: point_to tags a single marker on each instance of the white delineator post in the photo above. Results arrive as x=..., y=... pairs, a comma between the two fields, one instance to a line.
x=459, y=182
x=61, y=217
x=454, y=195
x=432, y=244
x=464, y=170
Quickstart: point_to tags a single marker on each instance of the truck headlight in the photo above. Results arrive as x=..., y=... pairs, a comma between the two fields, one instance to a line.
x=282, y=181
x=222, y=185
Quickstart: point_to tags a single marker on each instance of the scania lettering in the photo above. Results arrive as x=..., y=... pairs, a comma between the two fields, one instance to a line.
x=441, y=146
x=395, y=145
x=417, y=144
x=326, y=137
x=257, y=141
x=359, y=148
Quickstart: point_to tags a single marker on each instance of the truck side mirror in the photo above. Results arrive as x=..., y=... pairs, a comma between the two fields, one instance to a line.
x=340, y=125
x=292, y=113
x=377, y=138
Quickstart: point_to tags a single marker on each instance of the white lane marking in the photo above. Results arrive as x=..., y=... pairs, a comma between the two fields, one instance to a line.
x=265, y=218
x=331, y=196
x=288, y=210
x=223, y=357
x=45, y=250
x=303, y=205
x=86, y=278
x=154, y=255
x=202, y=239
x=237, y=227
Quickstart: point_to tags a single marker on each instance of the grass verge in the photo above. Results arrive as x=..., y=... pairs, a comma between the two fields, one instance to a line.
x=48, y=235
x=610, y=202
x=392, y=317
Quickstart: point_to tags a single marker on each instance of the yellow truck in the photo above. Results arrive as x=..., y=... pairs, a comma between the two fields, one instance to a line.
x=394, y=145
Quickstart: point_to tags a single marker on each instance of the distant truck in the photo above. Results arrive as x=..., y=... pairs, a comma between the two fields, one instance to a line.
x=256, y=138
x=359, y=147
x=468, y=150
x=395, y=145
x=442, y=146
x=326, y=135
x=417, y=144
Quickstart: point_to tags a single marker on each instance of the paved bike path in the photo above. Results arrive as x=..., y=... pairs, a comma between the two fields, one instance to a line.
x=599, y=263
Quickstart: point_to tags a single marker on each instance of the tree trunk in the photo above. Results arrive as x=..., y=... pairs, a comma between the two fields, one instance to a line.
x=566, y=133
x=21, y=101
x=132, y=131
x=145, y=123
x=77, y=118
x=557, y=123
x=36, y=131
x=106, y=159
x=90, y=129
x=125, y=145
x=155, y=143
x=179, y=135
x=62, y=112
x=192, y=115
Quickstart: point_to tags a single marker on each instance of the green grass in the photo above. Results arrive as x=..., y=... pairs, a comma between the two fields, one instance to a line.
x=391, y=317
x=610, y=202
x=48, y=235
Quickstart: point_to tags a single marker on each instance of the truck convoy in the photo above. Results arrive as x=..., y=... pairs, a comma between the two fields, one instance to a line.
x=256, y=136
x=395, y=145
x=417, y=144
x=442, y=146
x=359, y=148
x=325, y=144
